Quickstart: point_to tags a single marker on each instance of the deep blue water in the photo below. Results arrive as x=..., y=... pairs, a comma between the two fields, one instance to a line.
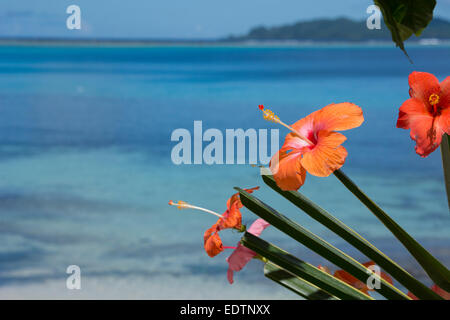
x=86, y=172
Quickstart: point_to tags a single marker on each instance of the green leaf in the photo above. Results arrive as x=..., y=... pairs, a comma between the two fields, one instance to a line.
x=302, y=269
x=435, y=269
x=316, y=244
x=406, y=17
x=296, y=284
x=445, y=150
x=341, y=229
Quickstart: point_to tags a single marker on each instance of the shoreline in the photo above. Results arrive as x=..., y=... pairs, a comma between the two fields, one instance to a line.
x=215, y=43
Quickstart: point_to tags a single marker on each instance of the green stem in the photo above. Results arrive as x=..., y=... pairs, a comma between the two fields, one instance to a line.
x=445, y=151
x=352, y=237
x=294, y=283
x=302, y=269
x=317, y=244
x=435, y=269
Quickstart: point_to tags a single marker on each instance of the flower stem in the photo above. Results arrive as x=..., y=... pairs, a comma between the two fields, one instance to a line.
x=434, y=268
x=445, y=151
x=352, y=237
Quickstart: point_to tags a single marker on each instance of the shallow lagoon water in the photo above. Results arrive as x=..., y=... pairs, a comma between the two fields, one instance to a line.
x=86, y=173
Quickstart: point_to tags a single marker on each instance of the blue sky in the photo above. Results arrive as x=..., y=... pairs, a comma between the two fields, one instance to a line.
x=170, y=18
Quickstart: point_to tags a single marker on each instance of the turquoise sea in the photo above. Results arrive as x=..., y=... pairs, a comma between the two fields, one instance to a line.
x=86, y=171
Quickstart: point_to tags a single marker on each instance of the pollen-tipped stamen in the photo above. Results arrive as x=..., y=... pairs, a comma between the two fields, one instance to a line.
x=184, y=205
x=434, y=99
x=270, y=116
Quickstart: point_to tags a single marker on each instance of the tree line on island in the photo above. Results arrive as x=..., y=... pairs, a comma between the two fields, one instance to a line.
x=340, y=29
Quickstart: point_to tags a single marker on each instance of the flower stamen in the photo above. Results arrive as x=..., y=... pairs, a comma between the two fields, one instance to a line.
x=270, y=116
x=184, y=205
x=434, y=99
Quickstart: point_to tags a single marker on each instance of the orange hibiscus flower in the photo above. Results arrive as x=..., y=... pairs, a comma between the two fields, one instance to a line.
x=354, y=282
x=313, y=145
x=230, y=219
x=427, y=112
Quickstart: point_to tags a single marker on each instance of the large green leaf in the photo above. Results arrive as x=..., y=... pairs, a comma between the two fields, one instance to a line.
x=445, y=150
x=302, y=269
x=316, y=244
x=406, y=17
x=434, y=268
x=296, y=284
x=316, y=212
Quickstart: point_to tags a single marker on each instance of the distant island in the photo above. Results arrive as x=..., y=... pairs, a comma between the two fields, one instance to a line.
x=342, y=30
x=336, y=30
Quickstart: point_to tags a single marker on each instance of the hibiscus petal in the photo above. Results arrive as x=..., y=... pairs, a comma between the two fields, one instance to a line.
x=258, y=227
x=287, y=170
x=238, y=260
x=327, y=156
x=292, y=141
x=444, y=97
x=305, y=127
x=242, y=255
x=354, y=282
x=235, y=198
x=368, y=264
x=212, y=243
x=210, y=231
x=230, y=276
x=444, y=294
x=232, y=218
x=351, y=280
x=412, y=296
x=340, y=116
x=427, y=134
x=345, y=276
x=410, y=111
x=386, y=277
x=425, y=129
x=423, y=85
x=383, y=275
